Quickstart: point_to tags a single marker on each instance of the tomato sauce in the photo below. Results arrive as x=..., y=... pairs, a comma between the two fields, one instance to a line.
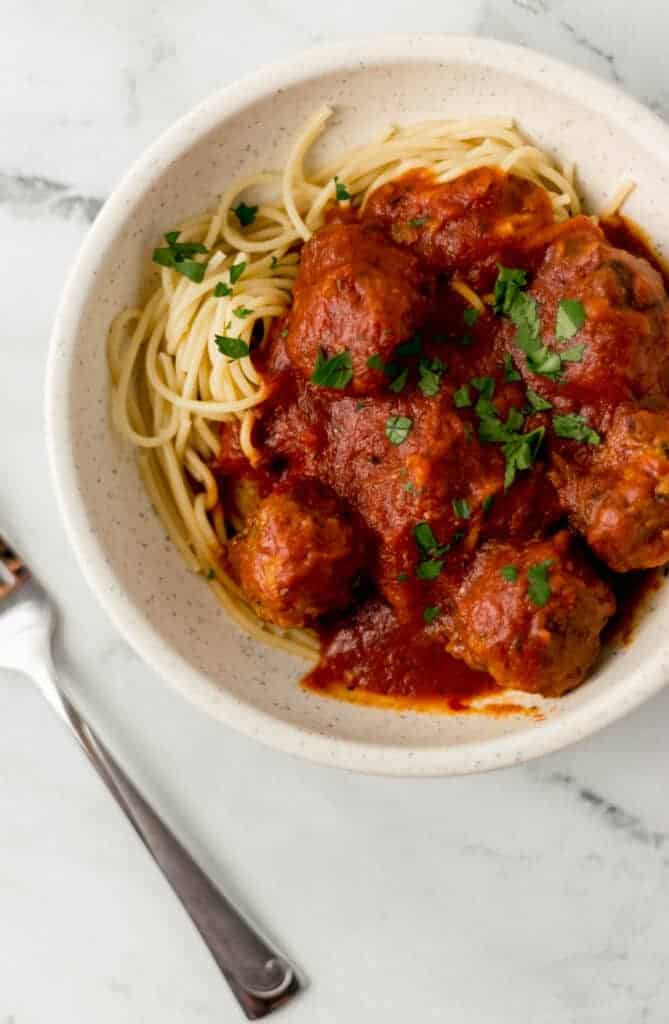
x=380, y=288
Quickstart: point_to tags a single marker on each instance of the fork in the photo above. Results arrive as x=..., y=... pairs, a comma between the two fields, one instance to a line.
x=260, y=978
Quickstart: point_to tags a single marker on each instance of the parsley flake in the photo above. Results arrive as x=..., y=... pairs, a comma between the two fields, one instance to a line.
x=511, y=374
x=535, y=402
x=569, y=319
x=397, y=428
x=402, y=577
x=397, y=384
x=236, y=272
x=575, y=427
x=488, y=503
x=539, y=588
x=508, y=285
x=417, y=222
x=178, y=256
x=242, y=312
x=573, y=354
x=375, y=362
x=335, y=372
x=233, y=348
x=222, y=289
x=245, y=214
x=429, y=569
x=411, y=347
x=341, y=192
x=461, y=508
x=461, y=398
x=431, y=613
x=430, y=374
x=470, y=316
x=509, y=573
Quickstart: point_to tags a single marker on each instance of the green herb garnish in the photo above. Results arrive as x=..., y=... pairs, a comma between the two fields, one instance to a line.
x=430, y=374
x=509, y=573
x=429, y=569
x=511, y=374
x=431, y=613
x=375, y=362
x=470, y=316
x=510, y=281
x=539, y=588
x=178, y=256
x=411, y=347
x=233, y=348
x=535, y=402
x=335, y=372
x=398, y=382
x=575, y=428
x=488, y=503
x=222, y=289
x=397, y=428
x=236, y=272
x=341, y=192
x=242, y=312
x=570, y=318
x=573, y=354
x=461, y=508
x=245, y=214
x=417, y=222
x=461, y=398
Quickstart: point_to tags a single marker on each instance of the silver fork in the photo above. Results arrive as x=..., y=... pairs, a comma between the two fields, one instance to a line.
x=259, y=977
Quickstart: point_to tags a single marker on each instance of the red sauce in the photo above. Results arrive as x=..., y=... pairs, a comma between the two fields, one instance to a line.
x=364, y=288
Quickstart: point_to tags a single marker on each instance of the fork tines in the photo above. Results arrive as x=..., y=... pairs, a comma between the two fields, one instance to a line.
x=12, y=570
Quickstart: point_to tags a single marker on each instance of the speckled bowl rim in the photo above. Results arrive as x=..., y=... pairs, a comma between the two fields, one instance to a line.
x=551, y=735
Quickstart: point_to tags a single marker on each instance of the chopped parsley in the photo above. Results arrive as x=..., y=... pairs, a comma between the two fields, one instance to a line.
x=411, y=347
x=410, y=488
x=426, y=542
x=222, y=289
x=431, y=613
x=575, y=428
x=375, y=362
x=245, y=214
x=569, y=319
x=341, y=192
x=510, y=372
x=397, y=428
x=539, y=588
x=178, y=256
x=465, y=340
x=211, y=575
x=335, y=372
x=470, y=316
x=398, y=382
x=402, y=577
x=520, y=450
x=573, y=354
x=274, y=264
x=233, y=348
x=429, y=569
x=461, y=508
x=509, y=573
x=488, y=503
x=484, y=385
x=417, y=222
x=535, y=402
x=430, y=373
x=284, y=333
x=236, y=272
x=508, y=286
x=512, y=301
x=461, y=398
x=242, y=312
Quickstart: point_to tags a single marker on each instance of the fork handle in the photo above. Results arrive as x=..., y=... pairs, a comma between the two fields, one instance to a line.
x=259, y=977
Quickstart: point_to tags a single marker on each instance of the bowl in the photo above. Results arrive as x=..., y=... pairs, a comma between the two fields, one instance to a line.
x=169, y=615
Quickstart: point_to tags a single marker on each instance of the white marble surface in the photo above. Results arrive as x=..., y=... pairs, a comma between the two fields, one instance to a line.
x=539, y=894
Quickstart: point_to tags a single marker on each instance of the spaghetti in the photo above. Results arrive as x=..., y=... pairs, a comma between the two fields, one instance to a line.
x=173, y=387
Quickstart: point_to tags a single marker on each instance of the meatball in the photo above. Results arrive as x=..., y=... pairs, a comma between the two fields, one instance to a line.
x=469, y=224
x=298, y=556
x=357, y=293
x=617, y=494
x=622, y=348
x=530, y=615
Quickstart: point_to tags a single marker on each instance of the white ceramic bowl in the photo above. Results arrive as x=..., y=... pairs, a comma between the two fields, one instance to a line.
x=169, y=615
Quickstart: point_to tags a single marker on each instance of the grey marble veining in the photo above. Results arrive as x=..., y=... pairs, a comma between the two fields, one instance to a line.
x=538, y=894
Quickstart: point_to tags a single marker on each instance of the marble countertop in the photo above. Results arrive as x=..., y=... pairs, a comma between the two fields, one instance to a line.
x=539, y=894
